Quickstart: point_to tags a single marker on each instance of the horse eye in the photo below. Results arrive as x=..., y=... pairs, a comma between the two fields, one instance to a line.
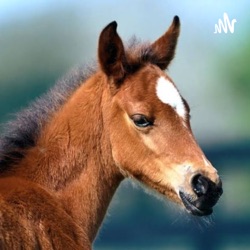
x=141, y=121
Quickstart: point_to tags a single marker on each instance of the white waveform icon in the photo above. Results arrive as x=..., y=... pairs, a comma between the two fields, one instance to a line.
x=225, y=25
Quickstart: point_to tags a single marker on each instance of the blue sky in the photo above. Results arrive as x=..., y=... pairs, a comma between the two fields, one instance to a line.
x=204, y=9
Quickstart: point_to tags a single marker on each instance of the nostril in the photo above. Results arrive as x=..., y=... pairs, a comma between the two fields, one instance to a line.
x=219, y=187
x=200, y=185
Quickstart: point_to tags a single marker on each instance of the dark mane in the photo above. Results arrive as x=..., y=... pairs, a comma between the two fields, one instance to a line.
x=22, y=133
x=138, y=54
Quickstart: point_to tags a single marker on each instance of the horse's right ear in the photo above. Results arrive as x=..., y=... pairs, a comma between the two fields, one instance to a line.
x=111, y=53
x=164, y=48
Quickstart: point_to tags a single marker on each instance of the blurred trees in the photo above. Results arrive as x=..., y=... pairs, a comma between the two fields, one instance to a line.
x=234, y=66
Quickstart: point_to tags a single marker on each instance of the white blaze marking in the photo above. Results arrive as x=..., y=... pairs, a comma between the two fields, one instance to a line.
x=168, y=94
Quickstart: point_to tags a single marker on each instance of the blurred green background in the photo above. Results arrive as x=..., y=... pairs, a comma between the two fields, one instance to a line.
x=41, y=40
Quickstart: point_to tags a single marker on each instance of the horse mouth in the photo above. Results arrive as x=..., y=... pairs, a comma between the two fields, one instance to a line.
x=192, y=208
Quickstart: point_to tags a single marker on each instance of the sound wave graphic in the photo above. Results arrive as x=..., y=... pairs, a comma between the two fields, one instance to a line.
x=227, y=24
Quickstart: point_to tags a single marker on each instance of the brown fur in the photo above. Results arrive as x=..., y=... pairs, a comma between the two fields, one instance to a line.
x=57, y=195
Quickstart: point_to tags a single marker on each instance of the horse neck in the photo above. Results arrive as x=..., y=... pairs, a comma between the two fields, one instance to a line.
x=73, y=156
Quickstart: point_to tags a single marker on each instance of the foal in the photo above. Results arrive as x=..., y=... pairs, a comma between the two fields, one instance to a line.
x=63, y=158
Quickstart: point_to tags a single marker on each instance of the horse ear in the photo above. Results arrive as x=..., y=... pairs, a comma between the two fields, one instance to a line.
x=111, y=53
x=163, y=49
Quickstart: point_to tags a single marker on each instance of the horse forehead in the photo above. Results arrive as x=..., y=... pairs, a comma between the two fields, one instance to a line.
x=168, y=94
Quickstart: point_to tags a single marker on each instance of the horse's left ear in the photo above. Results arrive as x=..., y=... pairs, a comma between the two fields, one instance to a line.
x=111, y=53
x=163, y=49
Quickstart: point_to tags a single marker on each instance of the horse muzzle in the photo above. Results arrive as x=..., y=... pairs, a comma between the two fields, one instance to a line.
x=207, y=193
